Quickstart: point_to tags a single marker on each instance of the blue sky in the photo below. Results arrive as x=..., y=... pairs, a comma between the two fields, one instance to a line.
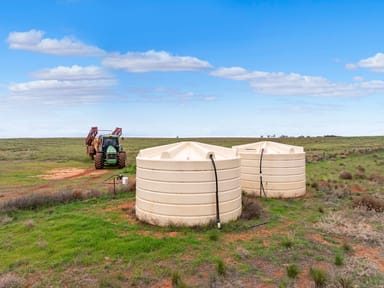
x=191, y=68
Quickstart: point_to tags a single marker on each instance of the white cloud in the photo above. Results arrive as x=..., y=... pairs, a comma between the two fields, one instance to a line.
x=73, y=72
x=373, y=85
x=166, y=94
x=374, y=63
x=237, y=73
x=33, y=41
x=153, y=61
x=350, y=66
x=358, y=78
x=64, y=85
x=279, y=83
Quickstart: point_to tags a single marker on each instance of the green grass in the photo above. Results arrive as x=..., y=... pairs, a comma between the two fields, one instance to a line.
x=72, y=233
x=94, y=240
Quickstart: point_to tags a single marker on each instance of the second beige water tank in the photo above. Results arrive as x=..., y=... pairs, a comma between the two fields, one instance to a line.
x=276, y=167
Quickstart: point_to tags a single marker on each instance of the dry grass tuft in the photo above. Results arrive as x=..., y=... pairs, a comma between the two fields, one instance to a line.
x=36, y=200
x=5, y=219
x=359, y=272
x=10, y=281
x=29, y=223
x=379, y=179
x=359, y=224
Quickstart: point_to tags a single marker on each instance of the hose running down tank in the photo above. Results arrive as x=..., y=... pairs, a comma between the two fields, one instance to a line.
x=217, y=194
x=261, y=175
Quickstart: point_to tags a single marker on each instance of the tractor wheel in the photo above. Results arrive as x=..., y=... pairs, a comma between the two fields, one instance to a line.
x=121, y=160
x=99, y=161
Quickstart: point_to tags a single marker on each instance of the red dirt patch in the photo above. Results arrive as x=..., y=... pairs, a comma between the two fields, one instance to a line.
x=67, y=173
x=319, y=239
x=127, y=209
x=304, y=279
x=356, y=189
x=372, y=254
x=123, y=207
x=160, y=235
x=165, y=283
x=257, y=232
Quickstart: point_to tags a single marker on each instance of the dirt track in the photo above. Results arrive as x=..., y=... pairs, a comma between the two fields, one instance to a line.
x=58, y=179
x=68, y=173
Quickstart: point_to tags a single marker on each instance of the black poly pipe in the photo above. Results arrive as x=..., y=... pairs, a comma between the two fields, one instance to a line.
x=217, y=194
x=261, y=175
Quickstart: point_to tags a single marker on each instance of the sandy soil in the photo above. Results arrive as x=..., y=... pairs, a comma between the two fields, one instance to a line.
x=68, y=173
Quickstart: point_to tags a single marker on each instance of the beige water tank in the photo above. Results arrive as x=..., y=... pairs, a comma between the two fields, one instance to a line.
x=175, y=184
x=278, y=168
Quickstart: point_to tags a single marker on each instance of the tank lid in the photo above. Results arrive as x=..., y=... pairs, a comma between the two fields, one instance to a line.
x=187, y=151
x=269, y=148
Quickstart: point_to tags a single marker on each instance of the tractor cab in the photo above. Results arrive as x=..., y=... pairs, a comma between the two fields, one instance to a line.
x=110, y=140
x=109, y=147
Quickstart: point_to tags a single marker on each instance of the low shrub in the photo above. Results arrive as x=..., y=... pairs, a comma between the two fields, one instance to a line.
x=37, y=200
x=251, y=207
x=369, y=202
x=345, y=175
